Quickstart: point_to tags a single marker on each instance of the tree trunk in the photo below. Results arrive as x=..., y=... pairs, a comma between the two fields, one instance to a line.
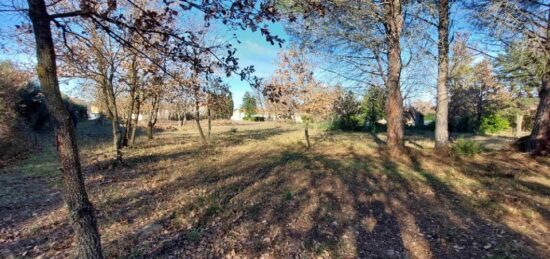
x=539, y=142
x=106, y=79
x=150, y=131
x=136, y=119
x=394, y=105
x=306, y=133
x=117, y=132
x=81, y=211
x=519, y=124
x=133, y=88
x=155, y=102
x=442, y=113
x=209, y=123
x=197, y=119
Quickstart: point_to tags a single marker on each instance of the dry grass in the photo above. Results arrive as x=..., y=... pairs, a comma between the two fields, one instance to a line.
x=258, y=191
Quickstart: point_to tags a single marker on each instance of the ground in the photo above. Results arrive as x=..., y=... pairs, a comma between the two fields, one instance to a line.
x=257, y=191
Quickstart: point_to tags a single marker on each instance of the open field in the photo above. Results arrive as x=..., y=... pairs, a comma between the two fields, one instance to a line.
x=257, y=191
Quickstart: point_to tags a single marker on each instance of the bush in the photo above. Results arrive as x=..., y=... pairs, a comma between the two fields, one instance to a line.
x=464, y=147
x=493, y=123
x=466, y=123
x=430, y=126
x=347, y=123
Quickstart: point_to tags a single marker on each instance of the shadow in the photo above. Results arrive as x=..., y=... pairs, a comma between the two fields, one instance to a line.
x=179, y=199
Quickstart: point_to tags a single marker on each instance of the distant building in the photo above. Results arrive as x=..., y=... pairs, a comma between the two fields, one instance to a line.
x=238, y=115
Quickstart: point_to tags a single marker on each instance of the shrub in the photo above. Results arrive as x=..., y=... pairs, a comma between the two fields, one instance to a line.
x=430, y=126
x=493, y=123
x=464, y=147
x=346, y=113
x=347, y=123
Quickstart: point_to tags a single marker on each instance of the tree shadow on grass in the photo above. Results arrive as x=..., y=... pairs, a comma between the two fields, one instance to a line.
x=473, y=234
x=292, y=203
x=285, y=202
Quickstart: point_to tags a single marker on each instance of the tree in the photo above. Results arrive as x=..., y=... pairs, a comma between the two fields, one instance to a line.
x=509, y=21
x=372, y=28
x=249, y=105
x=291, y=85
x=442, y=110
x=294, y=89
x=81, y=211
x=97, y=59
x=521, y=71
x=242, y=15
x=373, y=106
x=475, y=91
x=346, y=108
x=216, y=93
x=393, y=23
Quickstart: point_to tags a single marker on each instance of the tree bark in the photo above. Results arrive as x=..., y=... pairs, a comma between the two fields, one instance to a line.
x=106, y=83
x=519, y=124
x=394, y=106
x=81, y=212
x=133, y=88
x=155, y=102
x=136, y=119
x=150, y=131
x=306, y=133
x=209, y=113
x=197, y=119
x=442, y=112
x=539, y=141
x=113, y=113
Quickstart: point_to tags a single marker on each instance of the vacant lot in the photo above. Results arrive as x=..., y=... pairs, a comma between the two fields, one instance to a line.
x=257, y=191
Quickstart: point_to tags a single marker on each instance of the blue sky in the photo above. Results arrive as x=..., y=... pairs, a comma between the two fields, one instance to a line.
x=253, y=50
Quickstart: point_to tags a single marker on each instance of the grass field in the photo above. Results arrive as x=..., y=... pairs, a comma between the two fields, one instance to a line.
x=257, y=191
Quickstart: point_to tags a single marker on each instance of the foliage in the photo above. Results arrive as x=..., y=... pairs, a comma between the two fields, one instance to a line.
x=466, y=147
x=346, y=112
x=13, y=127
x=373, y=106
x=220, y=100
x=493, y=123
x=293, y=89
x=474, y=90
x=249, y=105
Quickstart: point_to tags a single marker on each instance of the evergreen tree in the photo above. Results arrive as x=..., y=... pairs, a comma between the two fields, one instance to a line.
x=249, y=106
